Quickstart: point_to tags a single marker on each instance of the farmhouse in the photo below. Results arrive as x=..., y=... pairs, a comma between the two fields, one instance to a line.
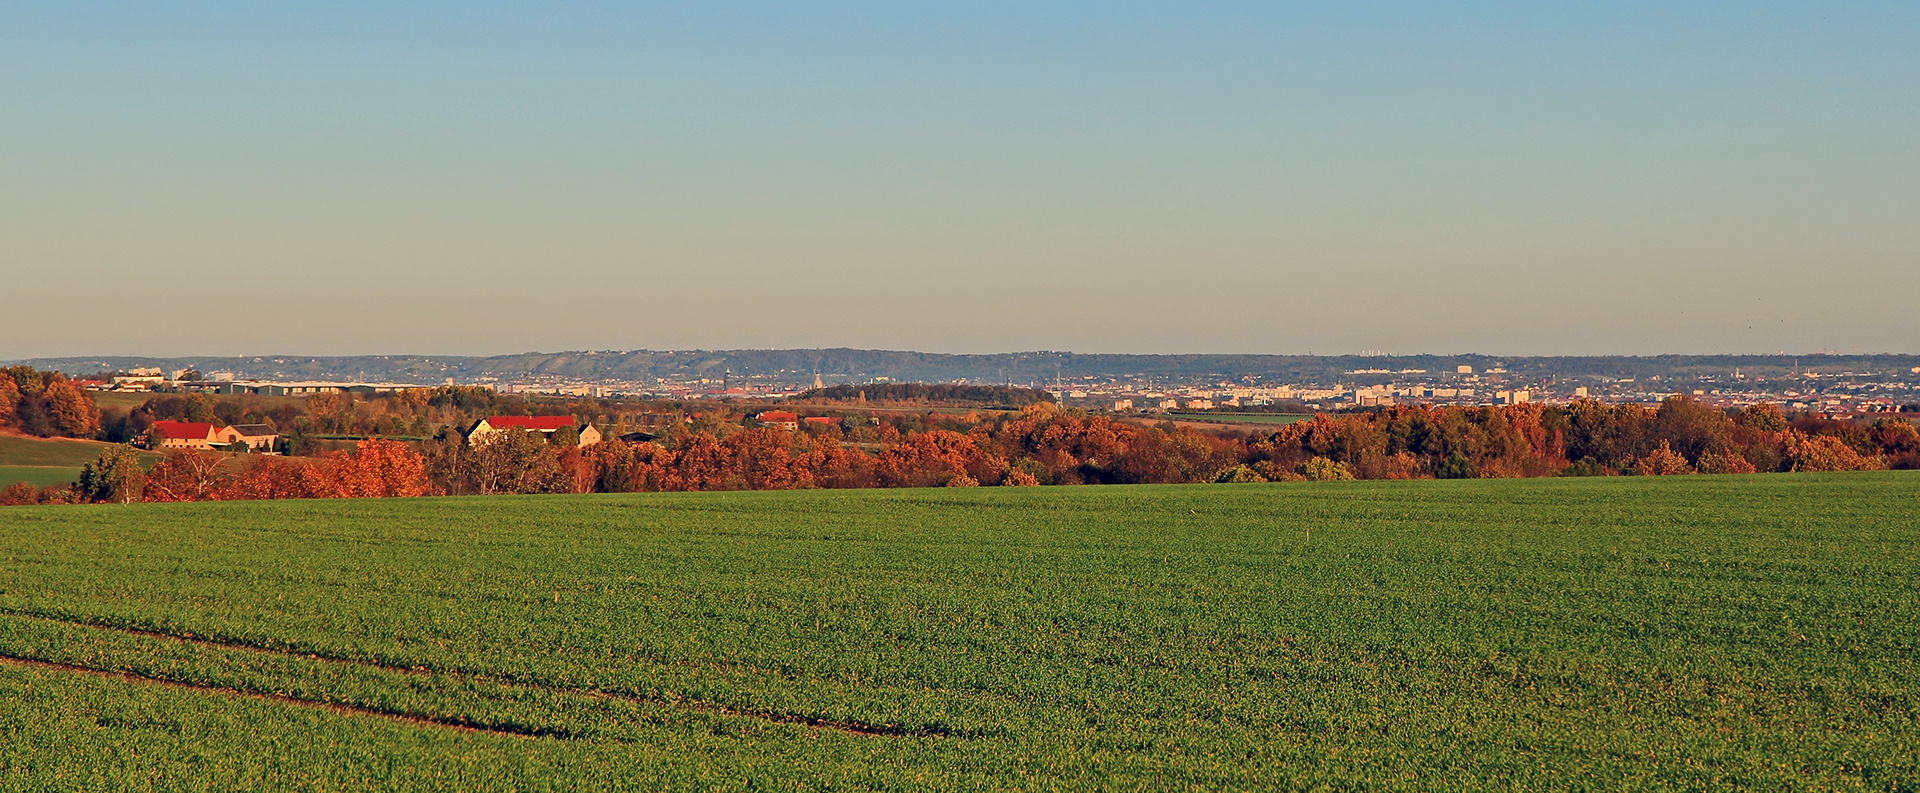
x=259, y=437
x=188, y=434
x=545, y=425
x=778, y=418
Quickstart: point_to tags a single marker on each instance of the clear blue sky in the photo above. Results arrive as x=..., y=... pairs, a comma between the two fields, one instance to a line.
x=1520, y=178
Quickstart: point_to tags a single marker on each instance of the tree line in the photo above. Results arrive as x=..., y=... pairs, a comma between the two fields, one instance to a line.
x=1040, y=445
x=45, y=404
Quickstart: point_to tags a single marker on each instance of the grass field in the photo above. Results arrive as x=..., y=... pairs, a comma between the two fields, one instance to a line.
x=49, y=461
x=1238, y=418
x=124, y=400
x=1680, y=632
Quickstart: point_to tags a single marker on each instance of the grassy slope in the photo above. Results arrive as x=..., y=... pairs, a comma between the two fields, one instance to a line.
x=48, y=452
x=47, y=461
x=38, y=476
x=124, y=400
x=1690, y=631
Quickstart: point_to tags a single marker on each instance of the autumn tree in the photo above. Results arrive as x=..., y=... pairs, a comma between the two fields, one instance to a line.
x=1763, y=416
x=514, y=461
x=375, y=469
x=1690, y=429
x=1899, y=441
x=186, y=475
x=1663, y=461
x=26, y=379
x=9, y=399
x=19, y=494
x=1826, y=453
x=1614, y=436
x=265, y=477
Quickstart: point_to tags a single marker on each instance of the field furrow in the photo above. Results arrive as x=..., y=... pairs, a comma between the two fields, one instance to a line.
x=1685, y=632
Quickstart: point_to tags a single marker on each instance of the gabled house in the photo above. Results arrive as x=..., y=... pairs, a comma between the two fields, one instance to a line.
x=778, y=418
x=545, y=425
x=258, y=437
x=188, y=434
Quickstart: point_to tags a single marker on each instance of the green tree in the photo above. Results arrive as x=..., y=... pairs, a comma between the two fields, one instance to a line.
x=1456, y=466
x=26, y=379
x=566, y=436
x=114, y=477
x=1762, y=416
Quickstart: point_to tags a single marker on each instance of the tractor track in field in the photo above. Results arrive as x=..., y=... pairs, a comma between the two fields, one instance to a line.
x=463, y=725
x=703, y=706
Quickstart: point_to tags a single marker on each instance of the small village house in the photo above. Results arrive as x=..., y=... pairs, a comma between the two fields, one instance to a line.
x=545, y=425
x=204, y=435
x=188, y=434
x=258, y=437
x=778, y=418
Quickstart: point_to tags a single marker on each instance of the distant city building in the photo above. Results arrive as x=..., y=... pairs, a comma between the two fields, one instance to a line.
x=1123, y=404
x=142, y=379
x=1463, y=369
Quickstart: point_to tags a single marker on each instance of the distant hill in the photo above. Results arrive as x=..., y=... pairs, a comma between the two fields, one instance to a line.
x=842, y=365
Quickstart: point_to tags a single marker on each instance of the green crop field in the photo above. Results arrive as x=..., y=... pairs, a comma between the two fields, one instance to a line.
x=1238, y=418
x=37, y=475
x=1603, y=633
x=124, y=400
x=49, y=461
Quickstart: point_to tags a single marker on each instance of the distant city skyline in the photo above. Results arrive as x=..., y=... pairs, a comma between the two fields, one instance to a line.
x=282, y=179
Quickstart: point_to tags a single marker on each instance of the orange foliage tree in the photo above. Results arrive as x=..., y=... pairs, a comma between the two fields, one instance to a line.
x=188, y=475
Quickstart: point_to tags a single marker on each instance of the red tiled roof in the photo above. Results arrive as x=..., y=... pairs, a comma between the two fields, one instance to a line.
x=774, y=416
x=536, y=423
x=196, y=430
x=820, y=419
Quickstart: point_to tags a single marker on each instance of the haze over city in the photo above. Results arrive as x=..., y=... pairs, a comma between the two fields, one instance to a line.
x=199, y=179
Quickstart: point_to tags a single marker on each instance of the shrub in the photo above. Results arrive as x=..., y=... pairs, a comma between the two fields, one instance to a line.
x=19, y=493
x=1587, y=466
x=1237, y=474
x=1456, y=466
x=1716, y=462
x=1826, y=453
x=1663, y=461
x=1321, y=469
